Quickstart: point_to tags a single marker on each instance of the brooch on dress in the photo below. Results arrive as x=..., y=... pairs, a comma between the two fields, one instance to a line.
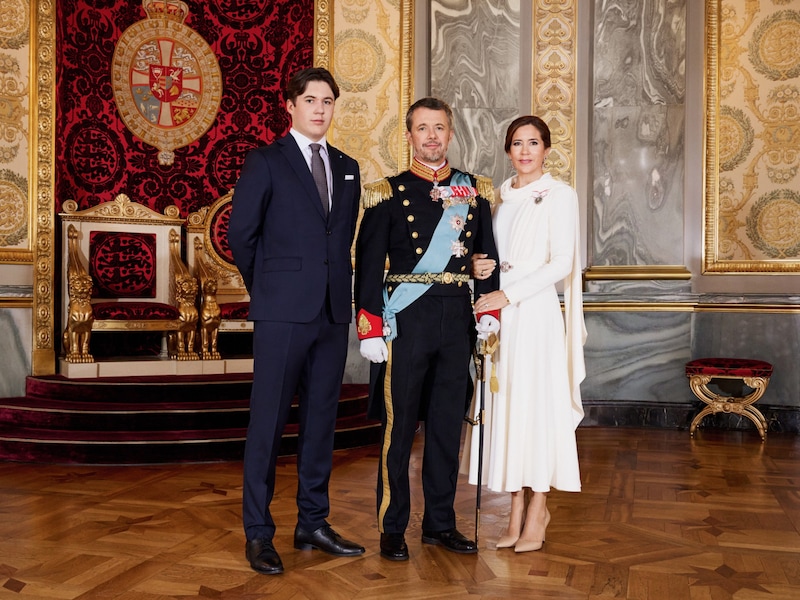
x=538, y=195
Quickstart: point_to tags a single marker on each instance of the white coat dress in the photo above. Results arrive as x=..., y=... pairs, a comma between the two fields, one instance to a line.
x=530, y=422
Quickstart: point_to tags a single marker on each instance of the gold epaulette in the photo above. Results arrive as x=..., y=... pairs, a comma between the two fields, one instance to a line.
x=485, y=187
x=376, y=192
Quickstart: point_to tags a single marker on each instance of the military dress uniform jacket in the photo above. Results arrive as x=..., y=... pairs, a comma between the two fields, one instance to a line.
x=398, y=222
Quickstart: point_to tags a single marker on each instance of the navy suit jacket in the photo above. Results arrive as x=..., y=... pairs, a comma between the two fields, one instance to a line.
x=288, y=253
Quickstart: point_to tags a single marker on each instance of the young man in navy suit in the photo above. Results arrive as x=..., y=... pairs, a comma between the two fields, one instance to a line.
x=292, y=225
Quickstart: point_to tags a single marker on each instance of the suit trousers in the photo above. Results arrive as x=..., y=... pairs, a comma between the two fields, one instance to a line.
x=307, y=359
x=426, y=378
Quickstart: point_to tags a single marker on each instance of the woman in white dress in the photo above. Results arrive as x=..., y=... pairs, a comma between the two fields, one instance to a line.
x=530, y=422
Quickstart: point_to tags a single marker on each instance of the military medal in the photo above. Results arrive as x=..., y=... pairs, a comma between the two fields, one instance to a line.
x=458, y=248
x=450, y=195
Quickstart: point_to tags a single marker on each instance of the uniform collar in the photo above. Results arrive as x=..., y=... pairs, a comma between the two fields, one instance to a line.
x=427, y=173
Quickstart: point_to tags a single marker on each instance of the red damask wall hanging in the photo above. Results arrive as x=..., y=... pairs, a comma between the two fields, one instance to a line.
x=257, y=45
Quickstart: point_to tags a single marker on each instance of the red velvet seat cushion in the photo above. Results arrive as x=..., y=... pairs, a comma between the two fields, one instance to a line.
x=134, y=311
x=729, y=367
x=234, y=310
x=122, y=265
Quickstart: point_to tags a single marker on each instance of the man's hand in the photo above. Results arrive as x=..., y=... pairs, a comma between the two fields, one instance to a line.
x=375, y=349
x=488, y=324
x=482, y=267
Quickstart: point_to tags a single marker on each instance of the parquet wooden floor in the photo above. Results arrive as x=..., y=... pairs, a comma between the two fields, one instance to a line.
x=661, y=517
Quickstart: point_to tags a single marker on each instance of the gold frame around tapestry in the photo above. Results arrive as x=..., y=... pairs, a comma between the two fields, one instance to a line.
x=747, y=229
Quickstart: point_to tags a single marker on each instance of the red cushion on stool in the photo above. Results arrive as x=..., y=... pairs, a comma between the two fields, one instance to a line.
x=729, y=367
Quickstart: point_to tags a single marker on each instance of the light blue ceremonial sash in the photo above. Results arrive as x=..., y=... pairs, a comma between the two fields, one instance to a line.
x=434, y=260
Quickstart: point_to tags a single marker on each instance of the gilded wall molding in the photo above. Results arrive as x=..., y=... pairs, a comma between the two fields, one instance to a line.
x=42, y=178
x=636, y=272
x=406, y=74
x=16, y=302
x=692, y=307
x=554, y=80
x=323, y=15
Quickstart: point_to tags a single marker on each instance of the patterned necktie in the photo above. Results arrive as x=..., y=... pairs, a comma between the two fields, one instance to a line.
x=318, y=171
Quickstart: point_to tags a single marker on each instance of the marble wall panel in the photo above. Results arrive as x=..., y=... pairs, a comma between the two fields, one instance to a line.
x=16, y=341
x=637, y=207
x=475, y=66
x=477, y=145
x=638, y=132
x=356, y=369
x=637, y=356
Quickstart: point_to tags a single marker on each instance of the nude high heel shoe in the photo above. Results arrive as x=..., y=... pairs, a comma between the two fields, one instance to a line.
x=508, y=541
x=524, y=545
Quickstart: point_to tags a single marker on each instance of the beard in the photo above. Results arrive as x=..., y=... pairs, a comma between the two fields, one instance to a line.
x=431, y=156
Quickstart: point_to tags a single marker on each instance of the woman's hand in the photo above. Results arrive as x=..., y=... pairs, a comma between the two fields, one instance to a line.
x=491, y=301
x=482, y=267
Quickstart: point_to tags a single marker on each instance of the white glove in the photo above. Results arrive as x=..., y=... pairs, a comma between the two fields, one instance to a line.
x=374, y=349
x=488, y=324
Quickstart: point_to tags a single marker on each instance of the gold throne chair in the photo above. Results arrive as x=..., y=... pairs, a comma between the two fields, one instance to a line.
x=123, y=272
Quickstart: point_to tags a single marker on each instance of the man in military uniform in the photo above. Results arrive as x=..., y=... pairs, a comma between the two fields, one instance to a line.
x=417, y=325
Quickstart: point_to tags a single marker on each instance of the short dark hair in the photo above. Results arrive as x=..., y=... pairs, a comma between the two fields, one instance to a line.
x=299, y=82
x=538, y=123
x=433, y=104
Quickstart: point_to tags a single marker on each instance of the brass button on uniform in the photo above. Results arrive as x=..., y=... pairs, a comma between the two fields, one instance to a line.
x=469, y=217
x=401, y=188
x=414, y=234
x=410, y=218
x=406, y=202
x=469, y=234
x=419, y=250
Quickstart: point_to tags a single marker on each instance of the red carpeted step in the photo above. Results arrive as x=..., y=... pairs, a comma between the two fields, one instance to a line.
x=126, y=416
x=151, y=420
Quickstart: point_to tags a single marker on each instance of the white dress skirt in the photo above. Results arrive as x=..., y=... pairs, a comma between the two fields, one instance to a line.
x=529, y=430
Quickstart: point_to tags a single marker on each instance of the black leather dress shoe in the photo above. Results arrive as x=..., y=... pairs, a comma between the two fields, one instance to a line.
x=393, y=546
x=326, y=539
x=451, y=539
x=263, y=557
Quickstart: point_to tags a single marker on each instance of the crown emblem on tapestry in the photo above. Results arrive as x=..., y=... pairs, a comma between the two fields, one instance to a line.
x=174, y=10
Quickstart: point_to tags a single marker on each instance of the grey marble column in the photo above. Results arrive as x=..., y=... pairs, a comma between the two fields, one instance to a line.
x=638, y=132
x=475, y=67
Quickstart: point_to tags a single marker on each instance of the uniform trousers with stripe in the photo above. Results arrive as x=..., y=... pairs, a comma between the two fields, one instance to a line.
x=426, y=379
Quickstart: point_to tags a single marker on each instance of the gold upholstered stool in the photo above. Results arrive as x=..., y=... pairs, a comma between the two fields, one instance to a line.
x=754, y=373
